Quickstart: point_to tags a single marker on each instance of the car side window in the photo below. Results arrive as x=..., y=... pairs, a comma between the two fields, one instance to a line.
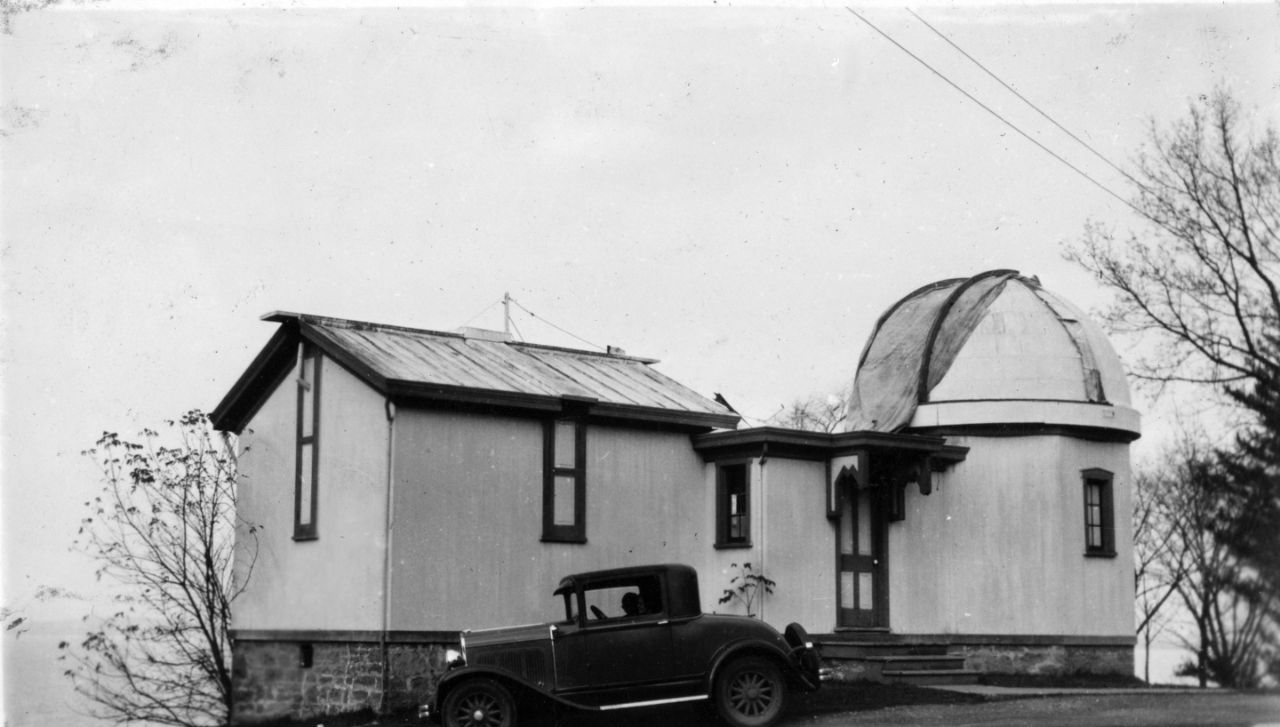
x=634, y=598
x=570, y=606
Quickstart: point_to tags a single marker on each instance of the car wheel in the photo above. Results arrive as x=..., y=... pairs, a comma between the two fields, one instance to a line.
x=750, y=692
x=479, y=703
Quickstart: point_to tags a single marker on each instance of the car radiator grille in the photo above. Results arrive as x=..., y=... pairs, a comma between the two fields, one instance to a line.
x=529, y=663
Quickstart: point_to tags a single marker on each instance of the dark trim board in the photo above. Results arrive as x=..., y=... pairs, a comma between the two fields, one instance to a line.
x=819, y=446
x=1031, y=429
x=268, y=369
x=860, y=635
x=349, y=636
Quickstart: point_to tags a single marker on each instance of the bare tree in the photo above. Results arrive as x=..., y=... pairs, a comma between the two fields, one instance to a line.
x=817, y=413
x=1202, y=279
x=1157, y=574
x=163, y=529
x=1200, y=283
x=1233, y=636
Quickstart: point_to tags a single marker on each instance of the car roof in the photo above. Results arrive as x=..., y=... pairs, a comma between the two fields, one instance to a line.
x=612, y=573
x=681, y=584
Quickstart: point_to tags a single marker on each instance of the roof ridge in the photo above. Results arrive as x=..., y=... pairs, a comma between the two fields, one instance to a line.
x=355, y=325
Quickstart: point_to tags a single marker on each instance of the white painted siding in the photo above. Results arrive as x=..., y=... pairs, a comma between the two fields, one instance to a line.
x=792, y=543
x=333, y=582
x=799, y=545
x=468, y=517
x=998, y=548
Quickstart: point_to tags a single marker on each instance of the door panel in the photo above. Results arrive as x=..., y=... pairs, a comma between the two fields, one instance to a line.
x=863, y=569
x=630, y=654
x=623, y=663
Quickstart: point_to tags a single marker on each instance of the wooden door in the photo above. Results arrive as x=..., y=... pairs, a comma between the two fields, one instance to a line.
x=862, y=568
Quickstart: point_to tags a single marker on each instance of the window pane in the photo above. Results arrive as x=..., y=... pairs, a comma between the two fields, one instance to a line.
x=564, y=511
x=846, y=538
x=846, y=589
x=566, y=444
x=625, y=600
x=865, y=594
x=733, y=508
x=737, y=518
x=864, y=523
x=307, y=392
x=304, y=486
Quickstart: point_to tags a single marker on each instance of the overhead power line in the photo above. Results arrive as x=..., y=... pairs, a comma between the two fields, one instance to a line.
x=486, y=310
x=996, y=114
x=558, y=328
x=1024, y=99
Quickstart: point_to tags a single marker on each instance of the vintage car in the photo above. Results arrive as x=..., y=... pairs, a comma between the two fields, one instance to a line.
x=629, y=638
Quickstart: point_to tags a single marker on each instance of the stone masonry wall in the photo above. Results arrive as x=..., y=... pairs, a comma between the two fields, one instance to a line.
x=1054, y=660
x=271, y=682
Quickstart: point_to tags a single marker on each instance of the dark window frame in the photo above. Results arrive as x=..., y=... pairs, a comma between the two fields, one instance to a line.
x=577, y=532
x=1099, y=513
x=307, y=389
x=724, y=516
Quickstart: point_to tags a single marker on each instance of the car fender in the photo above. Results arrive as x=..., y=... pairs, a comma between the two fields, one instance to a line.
x=457, y=676
x=735, y=649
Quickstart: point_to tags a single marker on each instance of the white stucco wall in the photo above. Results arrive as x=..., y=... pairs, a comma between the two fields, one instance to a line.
x=792, y=543
x=799, y=544
x=468, y=516
x=333, y=582
x=998, y=548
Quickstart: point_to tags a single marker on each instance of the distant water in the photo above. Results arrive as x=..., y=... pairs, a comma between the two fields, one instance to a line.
x=1164, y=662
x=36, y=694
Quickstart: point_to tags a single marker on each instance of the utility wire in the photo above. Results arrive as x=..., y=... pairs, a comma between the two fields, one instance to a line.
x=1025, y=100
x=996, y=114
x=486, y=310
x=519, y=333
x=558, y=328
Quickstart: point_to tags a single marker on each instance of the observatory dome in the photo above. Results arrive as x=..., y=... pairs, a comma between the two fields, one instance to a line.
x=992, y=351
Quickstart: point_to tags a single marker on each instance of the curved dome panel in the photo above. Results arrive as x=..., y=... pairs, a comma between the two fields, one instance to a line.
x=1019, y=350
x=972, y=343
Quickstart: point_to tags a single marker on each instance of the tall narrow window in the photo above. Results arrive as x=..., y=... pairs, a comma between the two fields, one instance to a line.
x=564, y=490
x=306, y=479
x=1099, y=517
x=733, y=506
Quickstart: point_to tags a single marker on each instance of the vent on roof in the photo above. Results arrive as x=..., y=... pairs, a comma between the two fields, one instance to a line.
x=483, y=334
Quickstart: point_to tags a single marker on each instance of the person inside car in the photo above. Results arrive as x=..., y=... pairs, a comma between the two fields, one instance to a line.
x=632, y=605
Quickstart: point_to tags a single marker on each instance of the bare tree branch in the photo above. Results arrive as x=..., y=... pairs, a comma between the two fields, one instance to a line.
x=164, y=529
x=1202, y=281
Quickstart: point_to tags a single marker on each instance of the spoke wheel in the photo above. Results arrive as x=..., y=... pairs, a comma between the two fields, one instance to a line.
x=750, y=692
x=479, y=703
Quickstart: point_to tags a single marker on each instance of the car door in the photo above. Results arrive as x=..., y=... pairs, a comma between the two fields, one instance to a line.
x=630, y=653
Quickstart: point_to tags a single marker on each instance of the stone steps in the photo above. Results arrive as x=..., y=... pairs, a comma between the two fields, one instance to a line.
x=854, y=657
x=927, y=677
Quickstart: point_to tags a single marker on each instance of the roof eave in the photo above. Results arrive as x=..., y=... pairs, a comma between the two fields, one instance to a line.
x=249, y=392
x=800, y=444
x=274, y=362
x=417, y=392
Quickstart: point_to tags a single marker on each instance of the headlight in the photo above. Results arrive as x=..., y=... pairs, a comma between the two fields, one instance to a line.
x=453, y=657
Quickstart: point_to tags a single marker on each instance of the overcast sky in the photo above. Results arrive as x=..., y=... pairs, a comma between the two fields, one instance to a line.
x=737, y=191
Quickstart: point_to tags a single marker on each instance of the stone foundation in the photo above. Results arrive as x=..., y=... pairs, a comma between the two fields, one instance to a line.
x=1046, y=660
x=302, y=679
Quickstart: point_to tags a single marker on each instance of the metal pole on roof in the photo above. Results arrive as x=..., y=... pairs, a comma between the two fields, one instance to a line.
x=506, y=313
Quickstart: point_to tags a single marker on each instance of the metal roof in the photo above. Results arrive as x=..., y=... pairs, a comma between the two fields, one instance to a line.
x=486, y=370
